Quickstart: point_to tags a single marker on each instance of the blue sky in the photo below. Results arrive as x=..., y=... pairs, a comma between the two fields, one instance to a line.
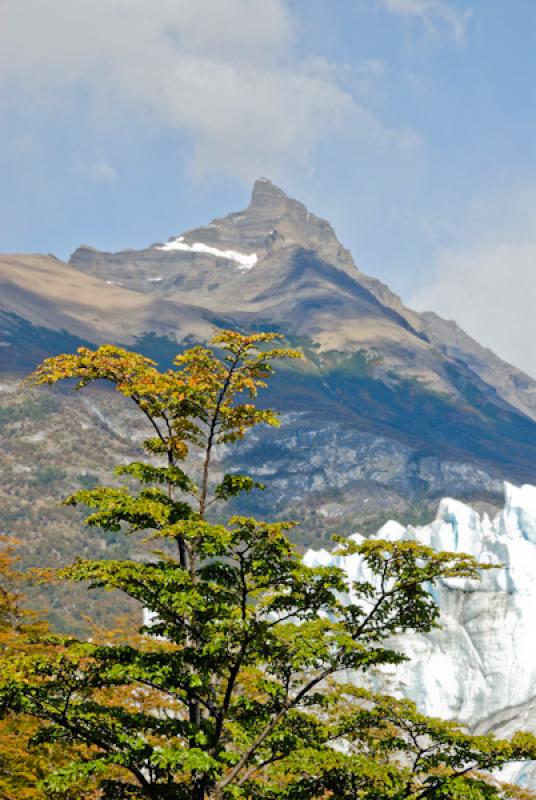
x=409, y=124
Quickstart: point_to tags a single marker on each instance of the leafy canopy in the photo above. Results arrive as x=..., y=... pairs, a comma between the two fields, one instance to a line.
x=25, y=760
x=236, y=686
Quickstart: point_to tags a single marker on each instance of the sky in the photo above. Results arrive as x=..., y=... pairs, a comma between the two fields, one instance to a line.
x=409, y=124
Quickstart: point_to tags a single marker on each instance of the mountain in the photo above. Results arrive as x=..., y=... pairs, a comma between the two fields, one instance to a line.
x=480, y=666
x=388, y=411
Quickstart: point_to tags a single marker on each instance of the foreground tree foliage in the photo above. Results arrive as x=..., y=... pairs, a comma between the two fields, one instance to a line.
x=236, y=685
x=26, y=759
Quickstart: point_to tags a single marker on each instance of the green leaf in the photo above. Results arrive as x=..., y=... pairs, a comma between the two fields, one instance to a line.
x=234, y=484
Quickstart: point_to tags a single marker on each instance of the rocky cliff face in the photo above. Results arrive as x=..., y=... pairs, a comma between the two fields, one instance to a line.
x=389, y=408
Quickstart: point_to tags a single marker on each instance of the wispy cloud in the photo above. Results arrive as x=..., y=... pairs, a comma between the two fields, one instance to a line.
x=435, y=15
x=488, y=284
x=225, y=74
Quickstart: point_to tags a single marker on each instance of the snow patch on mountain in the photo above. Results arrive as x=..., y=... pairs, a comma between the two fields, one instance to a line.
x=483, y=658
x=243, y=260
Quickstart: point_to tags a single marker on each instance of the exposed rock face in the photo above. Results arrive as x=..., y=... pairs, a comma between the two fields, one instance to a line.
x=302, y=279
x=272, y=223
x=388, y=406
x=480, y=667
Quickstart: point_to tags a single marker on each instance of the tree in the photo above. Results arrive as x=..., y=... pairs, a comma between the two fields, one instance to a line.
x=23, y=634
x=235, y=688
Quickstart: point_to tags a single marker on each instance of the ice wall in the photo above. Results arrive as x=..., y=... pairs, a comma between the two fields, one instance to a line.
x=483, y=659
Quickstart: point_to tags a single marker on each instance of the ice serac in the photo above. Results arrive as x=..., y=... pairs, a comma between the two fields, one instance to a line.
x=480, y=666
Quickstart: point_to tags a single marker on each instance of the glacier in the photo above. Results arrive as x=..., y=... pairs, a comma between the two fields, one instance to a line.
x=479, y=667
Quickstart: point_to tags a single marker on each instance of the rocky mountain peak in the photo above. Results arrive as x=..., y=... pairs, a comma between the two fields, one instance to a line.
x=282, y=219
x=267, y=193
x=273, y=205
x=270, y=199
x=273, y=224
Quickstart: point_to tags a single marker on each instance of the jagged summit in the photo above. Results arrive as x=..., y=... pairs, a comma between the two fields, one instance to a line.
x=289, y=222
x=265, y=192
x=273, y=221
x=273, y=200
x=271, y=227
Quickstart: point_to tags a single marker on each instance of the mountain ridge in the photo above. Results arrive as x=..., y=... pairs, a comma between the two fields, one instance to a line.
x=437, y=411
x=281, y=232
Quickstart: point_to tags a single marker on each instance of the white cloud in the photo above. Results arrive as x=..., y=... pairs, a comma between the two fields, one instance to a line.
x=222, y=71
x=360, y=79
x=489, y=288
x=434, y=14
